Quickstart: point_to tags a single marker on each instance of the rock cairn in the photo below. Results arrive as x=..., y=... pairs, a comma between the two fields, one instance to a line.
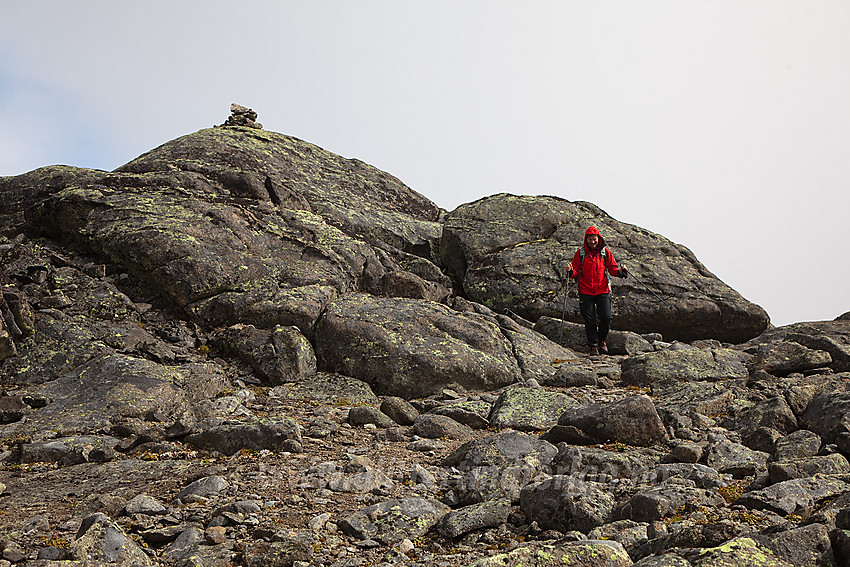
x=242, y=116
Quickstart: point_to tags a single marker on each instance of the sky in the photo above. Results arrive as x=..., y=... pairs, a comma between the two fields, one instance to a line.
x=723, y=125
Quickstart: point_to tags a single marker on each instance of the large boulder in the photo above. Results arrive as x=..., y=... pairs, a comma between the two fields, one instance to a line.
x=238, y=225
x=784, y=357
x=830, y=337
x=278, y=355
x=21, y=192
x=291, y=173
x=690, y=365
x=632, y=420
x=828, y=414
x=509, y=252
x=499, y=466
x=411, y=348
x=536, y=354
x=565, y=503
x=223, y=261
x=116, y=387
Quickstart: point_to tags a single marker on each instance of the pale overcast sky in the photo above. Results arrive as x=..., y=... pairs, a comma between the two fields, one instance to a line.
x=723, y=125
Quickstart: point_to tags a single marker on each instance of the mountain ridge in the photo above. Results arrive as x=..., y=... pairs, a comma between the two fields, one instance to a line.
x=241, y=349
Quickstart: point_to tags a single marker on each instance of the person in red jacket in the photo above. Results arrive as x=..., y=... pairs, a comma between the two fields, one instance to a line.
x=591, y=265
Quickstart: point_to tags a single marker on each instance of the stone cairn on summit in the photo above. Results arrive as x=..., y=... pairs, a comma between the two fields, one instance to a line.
x=242, y=116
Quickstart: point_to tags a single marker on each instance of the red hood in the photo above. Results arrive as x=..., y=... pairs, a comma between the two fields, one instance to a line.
x=593, y=230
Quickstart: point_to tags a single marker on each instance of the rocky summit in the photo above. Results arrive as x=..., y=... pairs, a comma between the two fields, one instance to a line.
x=241, y=349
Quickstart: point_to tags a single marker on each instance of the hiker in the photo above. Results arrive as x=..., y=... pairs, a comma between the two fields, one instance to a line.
x=591, y=265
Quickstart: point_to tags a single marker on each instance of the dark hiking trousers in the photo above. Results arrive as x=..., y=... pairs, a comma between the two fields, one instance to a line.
x=593, y=306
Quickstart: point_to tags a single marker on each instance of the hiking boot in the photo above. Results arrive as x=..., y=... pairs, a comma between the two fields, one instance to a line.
x=603, y=347
x=593, y=350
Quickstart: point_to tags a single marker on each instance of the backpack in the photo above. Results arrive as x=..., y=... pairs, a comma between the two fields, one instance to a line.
x=604, y=255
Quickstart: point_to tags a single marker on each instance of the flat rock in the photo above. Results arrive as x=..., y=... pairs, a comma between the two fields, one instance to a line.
x=391, y=521
x=740, y=552
x=473, y=413
x=683, y=366
x=807, y=467
x=297, y=549
x=203, y=487
x=604, y=465
x=502, y=450
x=72, y=450
x=796, y=496
x=626, y=532
x=783, y=358
x=663, y=500
x=474, y=517
x=114, y=387
x=738, y=460
x=326, y=388
x=591, y=553
x=279, y=434
x=144, y=504
x=367, y=481
x=567, y=375
x=705, y=398
x=528, y=409
x=573, y=336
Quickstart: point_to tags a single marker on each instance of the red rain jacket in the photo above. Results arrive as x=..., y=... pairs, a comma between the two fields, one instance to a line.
x=590, y=271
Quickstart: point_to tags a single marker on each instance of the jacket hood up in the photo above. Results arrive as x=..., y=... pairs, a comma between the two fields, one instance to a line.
x=593, y=230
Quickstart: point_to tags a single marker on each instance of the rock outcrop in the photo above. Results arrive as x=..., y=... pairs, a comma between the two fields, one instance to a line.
x=509, y=252
x=240, y=349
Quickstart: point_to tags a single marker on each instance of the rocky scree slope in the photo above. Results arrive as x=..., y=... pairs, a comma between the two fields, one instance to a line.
x=242, y=349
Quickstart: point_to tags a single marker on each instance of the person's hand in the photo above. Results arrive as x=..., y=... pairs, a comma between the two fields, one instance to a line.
x=569, y=268
x=624, y=273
